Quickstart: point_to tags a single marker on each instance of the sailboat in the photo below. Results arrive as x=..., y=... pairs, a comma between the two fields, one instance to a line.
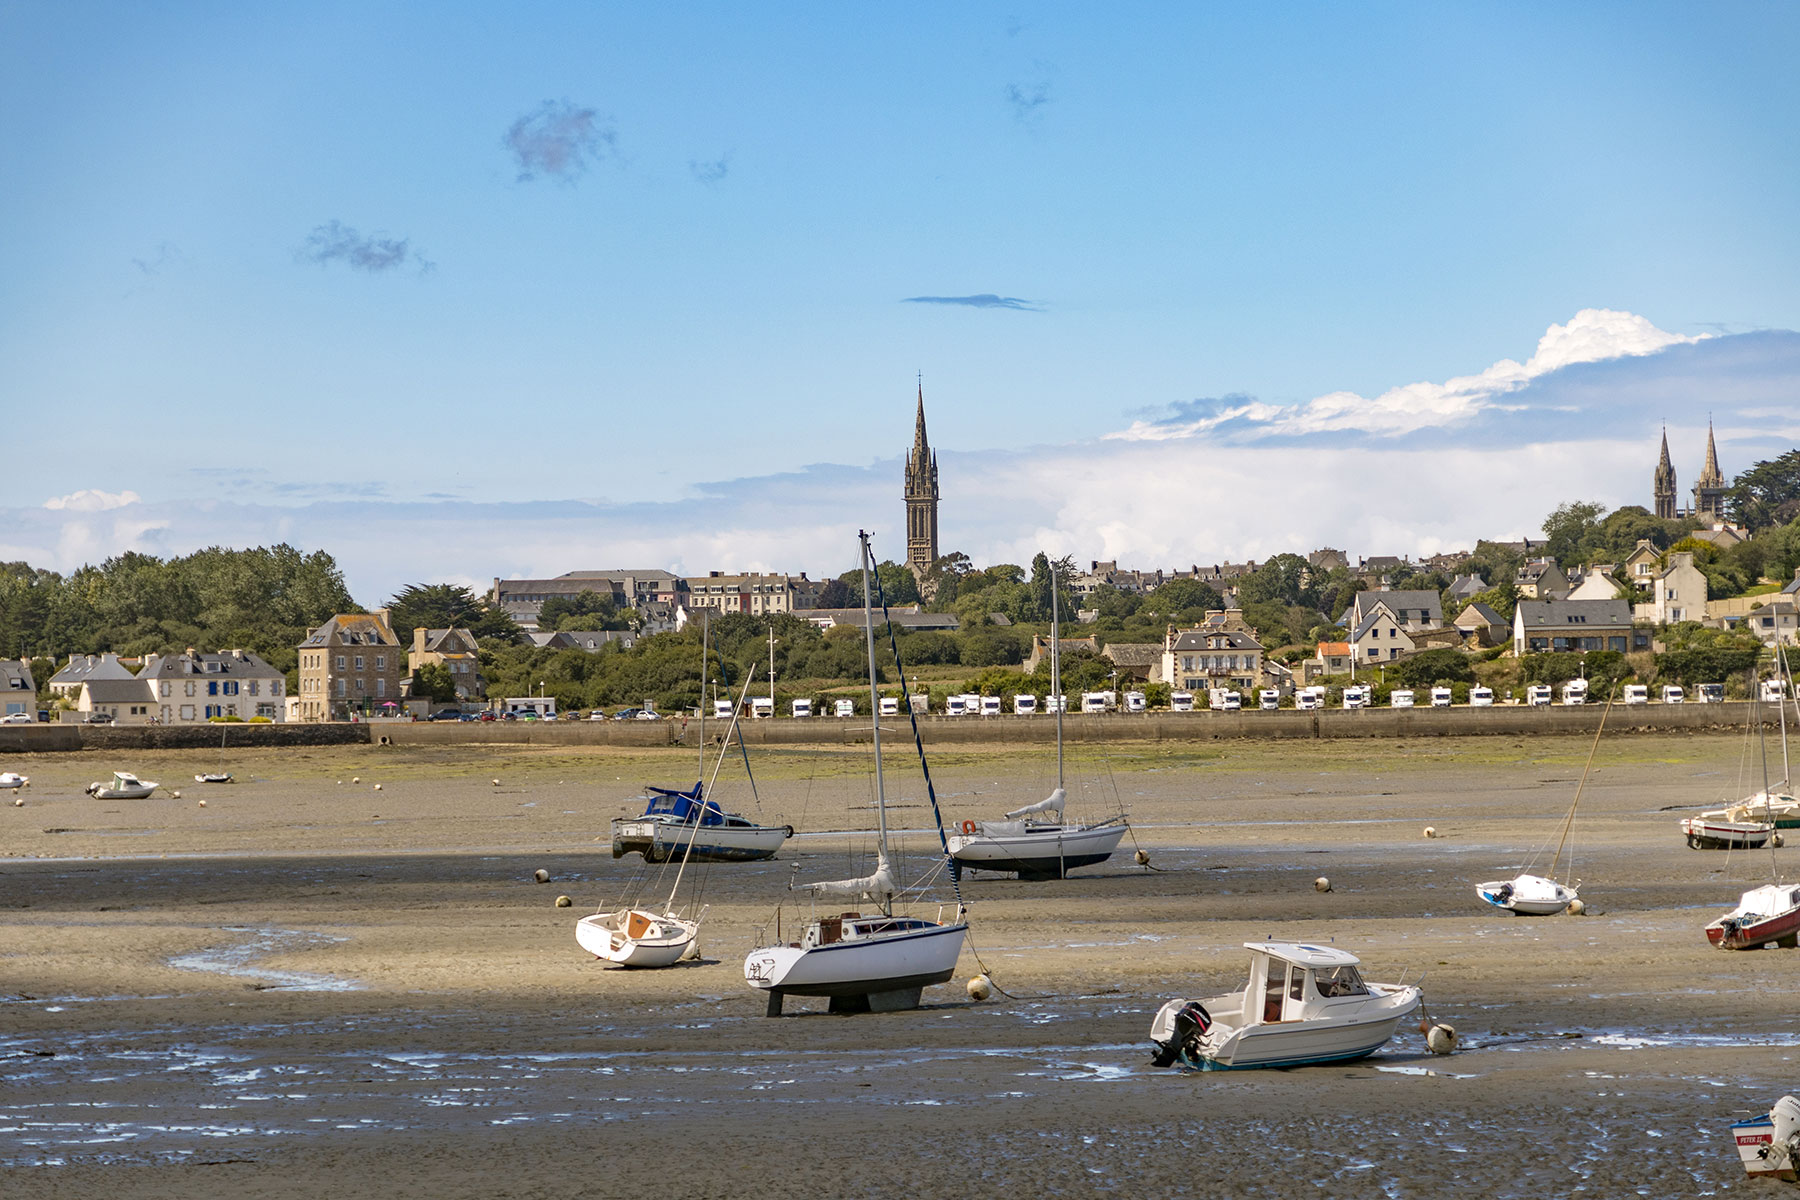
x=642, y=937
x=221, y=775
x=1766, y=915
x=1750, y=822
x=864, y=962
x=1529, y=895
x=677, y=820
x=1034, y=841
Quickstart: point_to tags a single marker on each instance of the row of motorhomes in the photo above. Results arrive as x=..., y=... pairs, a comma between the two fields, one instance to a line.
x=1360, y=695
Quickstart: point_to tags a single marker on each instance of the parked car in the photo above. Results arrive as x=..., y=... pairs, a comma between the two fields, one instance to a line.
x=97, y=718
x=647, y=714
x=599, y=714
x=16, y=719
x=445, y=714
x=488, y=716
x=626, y=714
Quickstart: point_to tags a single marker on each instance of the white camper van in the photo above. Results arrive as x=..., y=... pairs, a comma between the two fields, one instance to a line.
x=1024, y=706
x=1181, y=701
x=722, y=709
x=1400, y=699
x=954, y=706
x=890, y=706
x=1538, y=695
x=1481, y=696
x=1773, y=691
x=1224, y=700
x=1636, y=693
x=1711, y=693
x=801, y=708
x=1441, y=697
x=1310, y=698
x=761, y=706
x=1095, y=702
x=1357, y=695
x=990, y=706
x=1673, y=695
x=1574, y=692
x=844, y=708
x=1056, y=704
x=1135, y=702
x=1268, y=698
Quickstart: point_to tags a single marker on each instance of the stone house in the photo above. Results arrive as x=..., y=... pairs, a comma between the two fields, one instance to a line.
x=591, y=640
x=457, y=652
x=1379, y=636
x=192, y=688
x=1136, y=661
x=1465, y=587
x=350, y=665
x=1678, y=592
x=1211, y=657
x=1541, y=579
x=754, y=593
x=1481, y=625
x=1642, y=564
x=1596, y=582
x=126, y=701
x=1422, y=609
x=18, y=690
x=524, y=599
x=1575, y=625
x=82, y=667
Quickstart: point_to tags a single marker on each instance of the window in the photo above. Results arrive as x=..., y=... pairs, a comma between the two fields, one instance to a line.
x=212, y=687
x=381, y=687
x=190, y=687
x=359, y=662
x=340, y=662
x=165, y=687
x=340, y=684
x=274, y=687
x=255, y=687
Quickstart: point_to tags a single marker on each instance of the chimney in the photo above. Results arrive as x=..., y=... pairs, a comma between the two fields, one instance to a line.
x=419, y=640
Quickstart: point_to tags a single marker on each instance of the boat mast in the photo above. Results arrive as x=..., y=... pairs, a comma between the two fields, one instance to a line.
x=771, y=664
x=705, y=665
x=1570, y=819
x=1056, y=671
x=874, y=705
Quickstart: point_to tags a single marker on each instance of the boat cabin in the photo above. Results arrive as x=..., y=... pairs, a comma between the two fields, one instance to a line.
x=1292, y=981
x=852, y=927
x=684, y=806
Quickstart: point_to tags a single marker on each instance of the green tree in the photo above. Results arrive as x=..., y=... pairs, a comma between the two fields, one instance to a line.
x=433, y=680
x=446, y=606
x=1572, y=530
x=1187, y=598
x=1431, y=668
x=1767, y=494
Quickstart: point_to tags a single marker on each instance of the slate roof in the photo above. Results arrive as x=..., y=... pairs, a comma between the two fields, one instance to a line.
x=239, y=664
x=1478, y=609
x=118, y=691
x=1134, y=654
x=15, y=676
x=352, y=629
x=1199, y=639
x=1563, y=614
x=82, y=667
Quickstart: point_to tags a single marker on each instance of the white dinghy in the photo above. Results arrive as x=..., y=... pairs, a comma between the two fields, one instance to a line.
x=1530, y=895
x=12, y=779
x=642, y=937
x=124, y=786
x=875, y=962
x=1303, y=1004
x=1033, y=841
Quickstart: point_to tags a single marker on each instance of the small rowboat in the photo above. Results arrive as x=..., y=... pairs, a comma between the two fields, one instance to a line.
x=214, y=777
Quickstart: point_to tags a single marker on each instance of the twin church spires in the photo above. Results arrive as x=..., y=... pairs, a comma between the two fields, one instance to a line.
x=1709, y=489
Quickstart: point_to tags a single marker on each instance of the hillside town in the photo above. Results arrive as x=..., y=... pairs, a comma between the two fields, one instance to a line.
x=1682, y=598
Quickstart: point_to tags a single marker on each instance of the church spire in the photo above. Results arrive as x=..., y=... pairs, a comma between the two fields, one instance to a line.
x=1709, y=475
x=921, y=497
x=1665, y=482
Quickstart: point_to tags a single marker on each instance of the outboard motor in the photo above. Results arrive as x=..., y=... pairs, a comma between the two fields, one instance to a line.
x=1784, y=1151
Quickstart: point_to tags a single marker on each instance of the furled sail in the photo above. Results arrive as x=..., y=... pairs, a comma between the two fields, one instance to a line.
x=878, y=886
x=1053, y=803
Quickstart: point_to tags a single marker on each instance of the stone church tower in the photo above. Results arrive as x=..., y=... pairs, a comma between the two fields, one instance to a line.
x=1709, y=489
x=921, y=499
x=1665, y=483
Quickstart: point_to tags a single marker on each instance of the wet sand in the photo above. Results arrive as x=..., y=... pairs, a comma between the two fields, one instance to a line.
x=309, y=985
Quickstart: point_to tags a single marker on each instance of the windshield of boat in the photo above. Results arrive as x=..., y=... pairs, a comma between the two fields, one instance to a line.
x=1340, y=981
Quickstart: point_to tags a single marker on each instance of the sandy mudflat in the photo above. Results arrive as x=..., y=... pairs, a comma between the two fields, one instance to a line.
x=310, y=986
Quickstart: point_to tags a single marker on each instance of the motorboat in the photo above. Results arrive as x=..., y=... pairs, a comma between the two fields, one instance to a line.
x=864, y=962
x=12, y=779
x=637, y=937
x=1769, y=1145
x=1034, y=842
x=1303, y=1004
x=1717, y=833
x=1528, y=895
x=1776, y=808
x=1765, y=915
x=124, y=786
x=675, y=817
x=214, y=777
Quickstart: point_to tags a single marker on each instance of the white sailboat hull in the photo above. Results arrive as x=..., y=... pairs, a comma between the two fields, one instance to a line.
x=1046, y=851
x=637, y=937
x=1528, y=895
x=1704, y=833
x=910, y=960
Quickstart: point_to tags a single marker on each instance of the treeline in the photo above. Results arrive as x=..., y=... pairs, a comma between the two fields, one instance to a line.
x=264, y=599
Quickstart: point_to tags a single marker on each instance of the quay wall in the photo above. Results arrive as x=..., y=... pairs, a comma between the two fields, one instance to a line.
x=1205, y=726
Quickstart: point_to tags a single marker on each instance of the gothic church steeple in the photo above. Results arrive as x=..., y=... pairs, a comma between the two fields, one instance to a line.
x=921, y=498
x=1665, y=482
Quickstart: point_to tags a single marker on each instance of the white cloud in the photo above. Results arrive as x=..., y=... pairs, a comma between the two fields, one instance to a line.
x=92, y=500
x=1593, y=335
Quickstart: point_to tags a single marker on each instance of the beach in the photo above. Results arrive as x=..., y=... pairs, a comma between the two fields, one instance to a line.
x=310, y=985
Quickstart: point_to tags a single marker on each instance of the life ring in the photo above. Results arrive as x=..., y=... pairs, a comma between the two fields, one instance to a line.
x=968, y=827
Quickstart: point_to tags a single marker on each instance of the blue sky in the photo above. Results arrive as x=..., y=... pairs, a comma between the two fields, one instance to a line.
x=462, y=291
